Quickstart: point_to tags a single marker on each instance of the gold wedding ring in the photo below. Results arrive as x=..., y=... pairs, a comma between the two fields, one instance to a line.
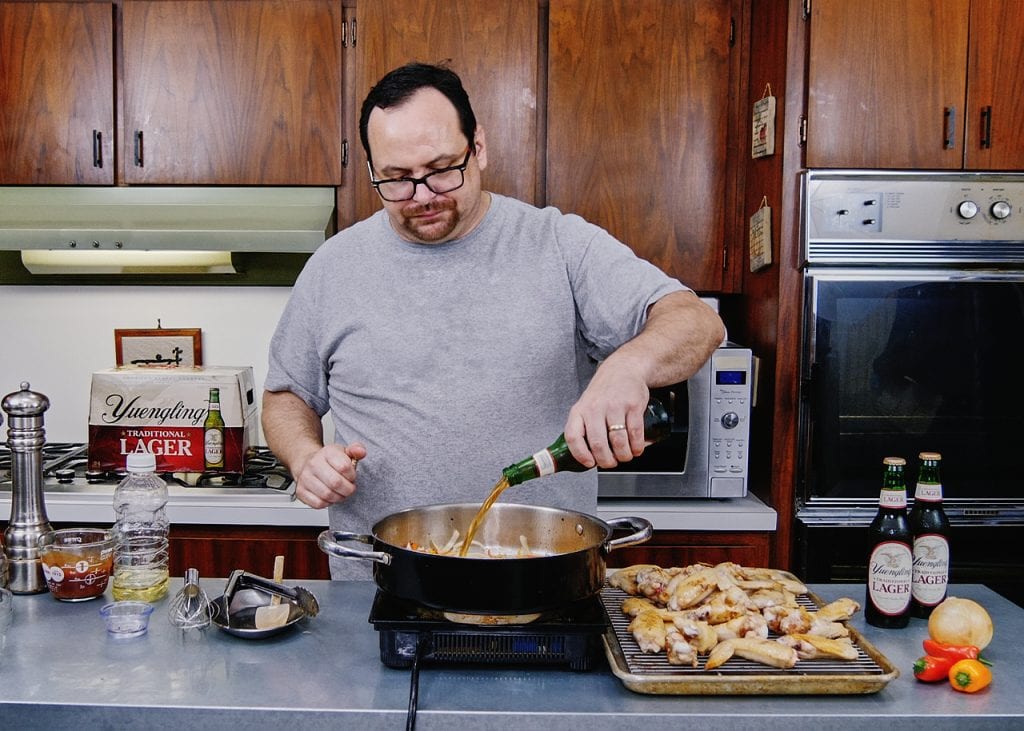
x=617, y=427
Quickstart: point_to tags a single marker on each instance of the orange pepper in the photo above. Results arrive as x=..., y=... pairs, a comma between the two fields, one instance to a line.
x=969, y=676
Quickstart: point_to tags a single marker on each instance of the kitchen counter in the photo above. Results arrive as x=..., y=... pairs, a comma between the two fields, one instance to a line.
x=248, y=506
x=59, y=670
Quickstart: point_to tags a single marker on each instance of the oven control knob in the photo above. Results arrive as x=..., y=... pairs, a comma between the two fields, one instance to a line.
x=968, y=209
x=1000, y=210
x=730, y=420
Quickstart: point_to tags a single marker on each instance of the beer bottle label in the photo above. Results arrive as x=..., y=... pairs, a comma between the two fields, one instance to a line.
x=931, y=568
x=213, y=447
x=545, y=463
x=930, y=492
x=890, y=570
x=892, y=499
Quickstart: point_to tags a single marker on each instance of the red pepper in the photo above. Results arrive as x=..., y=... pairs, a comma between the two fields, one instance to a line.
x=955, y=652
x=931, y=669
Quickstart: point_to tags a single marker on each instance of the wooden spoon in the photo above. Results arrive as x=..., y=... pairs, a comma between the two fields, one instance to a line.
x=274, y=614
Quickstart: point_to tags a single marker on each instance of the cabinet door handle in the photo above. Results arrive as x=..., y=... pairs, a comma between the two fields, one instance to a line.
x=97, y=148
x=949, y=124
x=986, y=128
x=344, y=153
x=138, y=148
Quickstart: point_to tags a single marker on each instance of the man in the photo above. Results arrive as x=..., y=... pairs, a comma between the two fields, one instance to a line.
x=458, y=330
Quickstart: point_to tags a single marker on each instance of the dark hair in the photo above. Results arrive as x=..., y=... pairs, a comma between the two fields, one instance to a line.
x=397, y=86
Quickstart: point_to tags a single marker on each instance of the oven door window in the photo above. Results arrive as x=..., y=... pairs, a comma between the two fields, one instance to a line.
x=913, y=363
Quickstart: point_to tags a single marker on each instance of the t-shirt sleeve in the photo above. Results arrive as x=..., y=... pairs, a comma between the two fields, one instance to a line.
x=294, y=362
x=613, y=287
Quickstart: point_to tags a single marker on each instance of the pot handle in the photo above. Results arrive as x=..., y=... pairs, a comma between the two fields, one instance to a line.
x=642, y=526
x=329, y=544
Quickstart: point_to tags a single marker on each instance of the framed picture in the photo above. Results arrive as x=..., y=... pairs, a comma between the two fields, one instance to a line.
x=160, y=348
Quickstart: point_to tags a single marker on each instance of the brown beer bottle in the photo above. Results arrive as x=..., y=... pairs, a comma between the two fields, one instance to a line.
x=930, y=528
x=890, y=560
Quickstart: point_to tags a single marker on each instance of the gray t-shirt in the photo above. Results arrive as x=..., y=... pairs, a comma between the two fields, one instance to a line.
x=451, y=361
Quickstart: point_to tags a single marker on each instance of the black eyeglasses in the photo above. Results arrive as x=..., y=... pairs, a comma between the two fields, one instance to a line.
x=440, y=181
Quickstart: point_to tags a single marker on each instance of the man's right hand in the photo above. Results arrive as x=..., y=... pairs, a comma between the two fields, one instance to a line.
x=328, y=475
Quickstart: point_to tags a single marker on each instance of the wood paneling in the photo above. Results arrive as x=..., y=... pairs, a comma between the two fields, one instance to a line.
x=681, y=548
x=995, y=80
x=232, y=93
x=494, y=47
x=216, y=551
x=56, y=93
x=755, y=316
x=882, y=75
x=638, y=121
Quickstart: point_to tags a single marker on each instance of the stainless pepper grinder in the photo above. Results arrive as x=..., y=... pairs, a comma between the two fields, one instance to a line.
x=26, y=437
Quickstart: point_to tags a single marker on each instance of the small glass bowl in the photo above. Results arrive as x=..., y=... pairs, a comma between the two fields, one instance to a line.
x=126, y=619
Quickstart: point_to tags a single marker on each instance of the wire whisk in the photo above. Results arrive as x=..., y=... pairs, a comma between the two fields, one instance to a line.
x=190, y=608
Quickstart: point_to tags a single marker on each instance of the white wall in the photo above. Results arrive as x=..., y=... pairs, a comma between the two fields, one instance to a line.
x=55, y=337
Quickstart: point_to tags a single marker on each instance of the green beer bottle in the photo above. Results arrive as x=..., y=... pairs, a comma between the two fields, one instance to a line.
x=558, y=458
x=213, y=434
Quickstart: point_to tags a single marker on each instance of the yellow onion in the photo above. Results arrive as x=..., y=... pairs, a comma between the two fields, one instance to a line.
x=959, y=621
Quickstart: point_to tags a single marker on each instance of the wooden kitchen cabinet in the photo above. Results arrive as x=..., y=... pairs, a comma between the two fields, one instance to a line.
x=216, y=551
x=56, y=93
x=681, y=548
x=232, y=93
x=916, y=84
x=494, y=47
x=641, y=99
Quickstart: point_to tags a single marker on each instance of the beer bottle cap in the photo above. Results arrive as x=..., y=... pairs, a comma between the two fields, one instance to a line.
x=894, y=461
x=930, y=456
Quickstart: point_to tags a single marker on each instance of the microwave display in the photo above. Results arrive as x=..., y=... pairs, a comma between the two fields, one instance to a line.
x=731, y=378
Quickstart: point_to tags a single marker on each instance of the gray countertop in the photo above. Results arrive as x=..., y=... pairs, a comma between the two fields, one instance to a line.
x=242, y=506
x=58, y=669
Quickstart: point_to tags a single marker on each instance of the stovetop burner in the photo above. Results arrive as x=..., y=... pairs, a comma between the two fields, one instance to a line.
x=568, y=636
x=66, y=463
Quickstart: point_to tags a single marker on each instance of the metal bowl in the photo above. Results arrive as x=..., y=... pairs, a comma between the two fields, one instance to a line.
x=239, y=618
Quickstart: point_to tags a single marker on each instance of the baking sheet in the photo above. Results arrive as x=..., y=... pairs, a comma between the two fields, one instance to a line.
x=652, y=674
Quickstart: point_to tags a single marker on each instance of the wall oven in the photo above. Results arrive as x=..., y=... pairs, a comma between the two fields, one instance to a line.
x=913, y=341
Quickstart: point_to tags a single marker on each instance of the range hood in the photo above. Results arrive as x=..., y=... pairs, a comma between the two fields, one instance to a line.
x=105, y=230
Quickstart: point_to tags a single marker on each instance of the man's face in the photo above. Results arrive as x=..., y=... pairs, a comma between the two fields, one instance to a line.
x=415, y=139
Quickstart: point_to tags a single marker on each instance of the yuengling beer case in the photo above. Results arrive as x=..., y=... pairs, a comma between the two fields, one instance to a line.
x=163, y=411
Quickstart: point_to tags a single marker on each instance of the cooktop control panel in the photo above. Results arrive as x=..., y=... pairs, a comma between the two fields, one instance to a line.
x=913, y=217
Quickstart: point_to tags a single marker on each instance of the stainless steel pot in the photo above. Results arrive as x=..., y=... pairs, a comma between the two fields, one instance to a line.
x=567, y=561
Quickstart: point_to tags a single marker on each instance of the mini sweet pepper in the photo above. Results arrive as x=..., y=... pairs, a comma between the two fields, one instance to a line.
x=969, y=676
x=931, y=669
x=955, y=652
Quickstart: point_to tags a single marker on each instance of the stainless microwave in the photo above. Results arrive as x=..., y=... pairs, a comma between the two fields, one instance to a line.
x=705, y=454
